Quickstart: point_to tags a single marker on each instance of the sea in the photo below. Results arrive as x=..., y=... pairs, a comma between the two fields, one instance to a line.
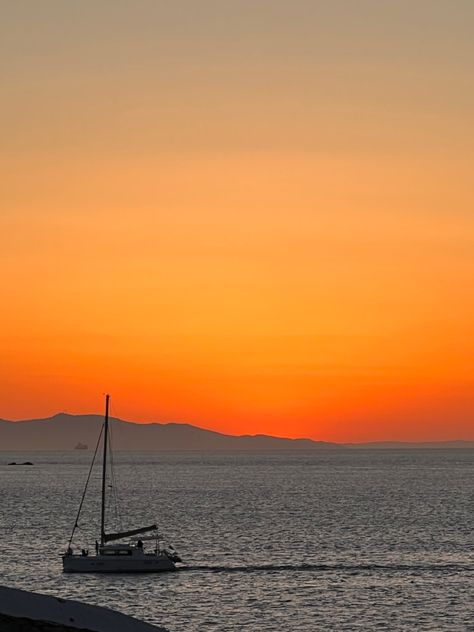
x=306, y=541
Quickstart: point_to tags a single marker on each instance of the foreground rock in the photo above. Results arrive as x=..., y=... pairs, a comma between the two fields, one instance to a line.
x=22, y=611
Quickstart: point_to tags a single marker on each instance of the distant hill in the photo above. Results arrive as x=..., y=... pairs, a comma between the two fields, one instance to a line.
x=66, y=432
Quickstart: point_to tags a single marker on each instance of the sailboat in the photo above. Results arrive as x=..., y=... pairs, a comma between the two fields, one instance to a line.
x=112, y=554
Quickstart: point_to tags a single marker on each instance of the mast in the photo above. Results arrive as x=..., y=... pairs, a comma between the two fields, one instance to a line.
x=104, y=471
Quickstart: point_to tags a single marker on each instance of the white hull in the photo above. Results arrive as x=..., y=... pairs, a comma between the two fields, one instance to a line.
x=147, y=563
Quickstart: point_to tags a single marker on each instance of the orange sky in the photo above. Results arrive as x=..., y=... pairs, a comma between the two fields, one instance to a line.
x=251, y=216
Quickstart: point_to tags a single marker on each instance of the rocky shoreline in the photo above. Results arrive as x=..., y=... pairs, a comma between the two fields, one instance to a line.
x=21, y=624
x=23, y=611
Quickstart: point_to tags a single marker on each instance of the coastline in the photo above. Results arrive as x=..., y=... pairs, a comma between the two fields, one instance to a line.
x=24, y=611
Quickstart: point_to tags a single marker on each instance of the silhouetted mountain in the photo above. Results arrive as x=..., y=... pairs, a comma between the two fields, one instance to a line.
x=66, y=432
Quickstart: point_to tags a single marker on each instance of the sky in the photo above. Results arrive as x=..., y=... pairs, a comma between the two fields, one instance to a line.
x=254, y=216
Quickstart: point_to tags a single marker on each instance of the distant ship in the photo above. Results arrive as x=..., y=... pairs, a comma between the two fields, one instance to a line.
x=122, y=557
x=81, y=446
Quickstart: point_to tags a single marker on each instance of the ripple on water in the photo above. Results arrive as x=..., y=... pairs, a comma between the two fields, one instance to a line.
x=322, y=541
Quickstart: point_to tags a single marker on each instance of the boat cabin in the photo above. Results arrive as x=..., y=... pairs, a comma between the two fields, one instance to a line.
x=120, y=549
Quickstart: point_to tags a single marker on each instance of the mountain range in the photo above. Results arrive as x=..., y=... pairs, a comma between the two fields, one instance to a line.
x=67, y=432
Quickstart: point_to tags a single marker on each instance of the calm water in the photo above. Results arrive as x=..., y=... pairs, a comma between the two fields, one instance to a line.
x=323, y=541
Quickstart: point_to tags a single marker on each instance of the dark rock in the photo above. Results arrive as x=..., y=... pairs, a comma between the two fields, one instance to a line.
x=17, y=624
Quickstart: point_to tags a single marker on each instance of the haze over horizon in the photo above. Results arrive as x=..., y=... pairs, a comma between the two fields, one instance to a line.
x=253, y=217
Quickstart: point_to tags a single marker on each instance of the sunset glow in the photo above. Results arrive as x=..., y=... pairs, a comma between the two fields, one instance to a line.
x=255, y=217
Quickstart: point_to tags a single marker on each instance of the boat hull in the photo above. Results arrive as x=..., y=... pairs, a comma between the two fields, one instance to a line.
x=107, y=564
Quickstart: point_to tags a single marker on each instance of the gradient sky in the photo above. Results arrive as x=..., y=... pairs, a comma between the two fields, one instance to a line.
x=255, y=216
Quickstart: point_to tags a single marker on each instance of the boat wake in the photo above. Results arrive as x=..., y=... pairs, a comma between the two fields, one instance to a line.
x=347, y=568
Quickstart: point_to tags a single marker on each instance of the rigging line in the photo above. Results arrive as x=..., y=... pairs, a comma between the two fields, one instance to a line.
x=115, y=494
x=115, y=486
x=85, y=488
